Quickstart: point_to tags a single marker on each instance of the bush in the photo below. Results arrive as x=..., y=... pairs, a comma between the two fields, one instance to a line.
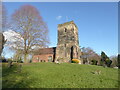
x=108, y=63
x=75, y=61
x=94, y=62
x=4, y=60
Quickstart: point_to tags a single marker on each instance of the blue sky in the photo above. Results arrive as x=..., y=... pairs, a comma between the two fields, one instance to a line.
x=97, y=22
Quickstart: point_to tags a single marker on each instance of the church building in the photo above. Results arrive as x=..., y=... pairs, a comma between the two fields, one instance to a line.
x=67, y=46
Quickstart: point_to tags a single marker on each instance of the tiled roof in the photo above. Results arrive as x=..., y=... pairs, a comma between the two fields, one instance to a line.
x=45, y=51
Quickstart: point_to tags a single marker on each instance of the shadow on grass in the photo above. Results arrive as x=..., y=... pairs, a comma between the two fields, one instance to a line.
x=13, y=78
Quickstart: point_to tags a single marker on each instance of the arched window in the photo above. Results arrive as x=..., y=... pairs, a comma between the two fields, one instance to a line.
x=37, y=59
x=71, y=54
x=73, y=30
x=65, y=45
x=50, y=58
x=65, y=29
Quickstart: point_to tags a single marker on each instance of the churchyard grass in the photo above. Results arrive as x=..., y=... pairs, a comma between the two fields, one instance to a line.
x=65, y=75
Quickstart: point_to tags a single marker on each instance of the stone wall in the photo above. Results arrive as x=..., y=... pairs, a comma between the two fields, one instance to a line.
x=68, y=43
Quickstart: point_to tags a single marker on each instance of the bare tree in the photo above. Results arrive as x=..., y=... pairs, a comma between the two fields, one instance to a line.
x=88, y=54
x=32, y=30
x=114, y=61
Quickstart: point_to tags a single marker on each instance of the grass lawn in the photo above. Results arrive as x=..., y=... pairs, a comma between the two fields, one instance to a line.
x=66, y=75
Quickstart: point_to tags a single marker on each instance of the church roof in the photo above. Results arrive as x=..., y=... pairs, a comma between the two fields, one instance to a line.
x=45, y=51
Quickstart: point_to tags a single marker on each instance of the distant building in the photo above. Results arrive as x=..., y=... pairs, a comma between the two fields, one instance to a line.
x=67, y=46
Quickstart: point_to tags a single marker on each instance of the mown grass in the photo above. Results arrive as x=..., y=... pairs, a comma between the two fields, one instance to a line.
x=51, y=75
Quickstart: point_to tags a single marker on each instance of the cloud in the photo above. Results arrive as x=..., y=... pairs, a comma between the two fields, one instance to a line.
x=9, y=35
x=12, y=37
x=58, y=17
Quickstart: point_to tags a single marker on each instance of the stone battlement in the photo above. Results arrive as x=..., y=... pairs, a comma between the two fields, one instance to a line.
x=67, y=24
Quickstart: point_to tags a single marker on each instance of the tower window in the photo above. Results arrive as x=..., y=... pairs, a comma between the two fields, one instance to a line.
x=37, y=58
x=65, y=45
x=73, y=29
x=50, y=58
x=65, y=29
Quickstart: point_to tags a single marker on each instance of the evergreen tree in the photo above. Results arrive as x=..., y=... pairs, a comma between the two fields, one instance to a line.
x=103, y=58
x=105, y=61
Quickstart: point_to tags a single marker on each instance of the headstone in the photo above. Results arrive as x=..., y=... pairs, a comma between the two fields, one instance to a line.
x=9, y=64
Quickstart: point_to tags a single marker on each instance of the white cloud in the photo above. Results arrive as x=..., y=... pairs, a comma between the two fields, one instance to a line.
x=9, y=35
x=58, y=17
x=12, y=37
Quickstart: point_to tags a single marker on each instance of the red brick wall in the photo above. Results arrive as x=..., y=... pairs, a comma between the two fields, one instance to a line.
x=43, y=58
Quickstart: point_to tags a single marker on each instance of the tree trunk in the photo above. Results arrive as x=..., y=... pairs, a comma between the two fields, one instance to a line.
x=25, y=58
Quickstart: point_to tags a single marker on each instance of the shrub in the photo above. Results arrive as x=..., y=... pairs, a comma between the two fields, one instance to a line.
x=94, y=62
x=108, y=63
x=4, y=60
x=75, y=61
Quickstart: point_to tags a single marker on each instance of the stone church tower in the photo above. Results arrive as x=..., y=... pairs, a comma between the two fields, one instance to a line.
x=68, y=43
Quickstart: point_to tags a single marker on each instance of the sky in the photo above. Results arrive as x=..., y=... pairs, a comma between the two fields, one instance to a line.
x=97, y=22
